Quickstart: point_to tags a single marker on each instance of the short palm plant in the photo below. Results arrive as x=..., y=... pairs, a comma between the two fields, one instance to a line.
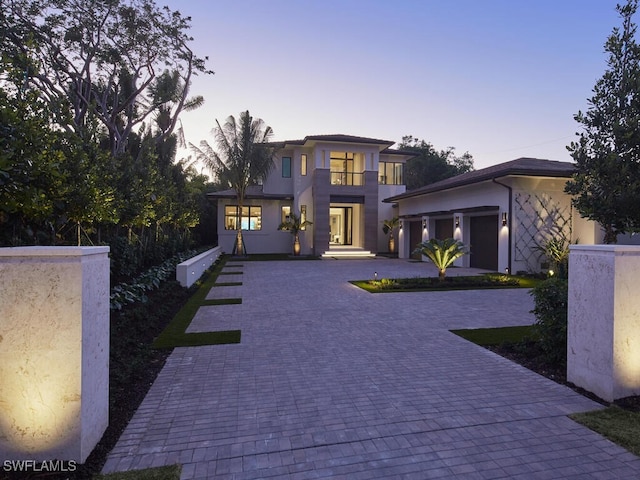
x=294, y=225
x=387, y=229
x=442, y=253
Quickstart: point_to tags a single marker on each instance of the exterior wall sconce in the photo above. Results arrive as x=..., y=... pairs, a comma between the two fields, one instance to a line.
x=457, y=221
x=504, y=219
x=424, y=224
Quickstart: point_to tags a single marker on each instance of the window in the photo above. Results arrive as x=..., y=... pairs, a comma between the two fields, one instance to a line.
x=286, y=167
x=303, y=164
x=303, y=215
x=285, y=214
x=390, y=173
x=251, y=218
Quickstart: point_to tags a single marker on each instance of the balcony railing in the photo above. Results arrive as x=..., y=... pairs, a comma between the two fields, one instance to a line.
x=347, y=178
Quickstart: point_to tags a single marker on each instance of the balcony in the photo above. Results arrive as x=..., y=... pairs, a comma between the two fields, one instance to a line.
x=347, y=178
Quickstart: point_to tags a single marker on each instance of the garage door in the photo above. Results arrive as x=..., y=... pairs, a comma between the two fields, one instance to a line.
x=484, y=242
x=415, y=237
x=444, y=228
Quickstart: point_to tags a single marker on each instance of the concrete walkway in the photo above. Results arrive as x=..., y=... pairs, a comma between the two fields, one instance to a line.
x=333, y=382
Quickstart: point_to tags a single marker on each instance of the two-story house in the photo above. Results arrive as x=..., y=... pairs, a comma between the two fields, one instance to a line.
x=337, y=182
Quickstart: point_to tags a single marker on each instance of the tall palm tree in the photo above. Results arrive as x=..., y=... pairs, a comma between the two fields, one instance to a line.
x=244, y=158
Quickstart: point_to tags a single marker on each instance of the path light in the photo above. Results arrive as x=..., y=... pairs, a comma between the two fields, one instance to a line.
x=375, y=275
x=551, y=273
x=506, y=271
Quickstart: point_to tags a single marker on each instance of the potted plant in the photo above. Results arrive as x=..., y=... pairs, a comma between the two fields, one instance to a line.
x=294, y=225
x=387, y=228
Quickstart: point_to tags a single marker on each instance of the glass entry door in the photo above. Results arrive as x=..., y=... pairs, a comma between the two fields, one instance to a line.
x=340, y=225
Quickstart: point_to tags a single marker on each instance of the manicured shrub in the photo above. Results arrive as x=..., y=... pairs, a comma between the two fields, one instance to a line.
x=550, y=297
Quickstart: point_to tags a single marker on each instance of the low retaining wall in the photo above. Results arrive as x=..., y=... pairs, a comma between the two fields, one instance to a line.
x=189, y=271
x=603, y=331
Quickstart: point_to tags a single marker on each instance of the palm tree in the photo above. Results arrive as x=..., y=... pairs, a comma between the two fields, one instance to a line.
x=387, y=229
x=442, y=253
x=294, y=225
x=245, y=158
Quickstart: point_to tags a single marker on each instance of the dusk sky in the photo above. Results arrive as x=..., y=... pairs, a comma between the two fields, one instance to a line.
x=501, y=79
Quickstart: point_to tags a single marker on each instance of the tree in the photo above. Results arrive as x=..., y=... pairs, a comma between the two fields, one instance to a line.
x=442, y=253
x=606, y=184
x=388, y=226
x=431, y=166
x=245, y=158
x=115, y=61
x=294, y=225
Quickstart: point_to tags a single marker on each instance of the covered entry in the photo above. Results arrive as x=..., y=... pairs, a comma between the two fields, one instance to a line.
x=484, y=242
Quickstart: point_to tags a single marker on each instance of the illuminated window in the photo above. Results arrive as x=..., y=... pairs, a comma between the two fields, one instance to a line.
x=286, y=167
x=303, y=215
x=251, y=218
x=390, y=173
x=285, y=215
x=303, y=164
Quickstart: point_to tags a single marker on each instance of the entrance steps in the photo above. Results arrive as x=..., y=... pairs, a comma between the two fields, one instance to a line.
x=343, y=252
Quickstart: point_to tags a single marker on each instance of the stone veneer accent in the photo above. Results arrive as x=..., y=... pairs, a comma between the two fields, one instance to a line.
x=54, y=351
x=603, y=345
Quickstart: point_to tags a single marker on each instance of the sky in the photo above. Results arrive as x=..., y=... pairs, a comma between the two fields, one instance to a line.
x=500, y=79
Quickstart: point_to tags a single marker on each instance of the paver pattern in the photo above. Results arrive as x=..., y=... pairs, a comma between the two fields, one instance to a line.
x=330, y=381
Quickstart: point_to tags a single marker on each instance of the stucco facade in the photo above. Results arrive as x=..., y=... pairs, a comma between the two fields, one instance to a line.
x=337, y=182
x=503, y=213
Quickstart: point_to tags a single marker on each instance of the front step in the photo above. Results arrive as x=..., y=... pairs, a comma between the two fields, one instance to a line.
x=345, y=253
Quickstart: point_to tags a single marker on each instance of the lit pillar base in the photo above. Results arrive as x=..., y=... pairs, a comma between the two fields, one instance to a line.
x=54, y=352
x=603, y=347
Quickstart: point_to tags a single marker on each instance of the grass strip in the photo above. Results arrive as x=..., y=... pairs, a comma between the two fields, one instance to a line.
x=231, y=273
x=618, y=425
x=222, y=301
x=433, y=284
x=171, y=472
x=174, y=335
x=496, y=336
x=227, y=284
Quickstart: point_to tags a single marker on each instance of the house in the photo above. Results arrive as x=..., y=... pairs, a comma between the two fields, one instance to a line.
x=503, y=213
x=337, y=182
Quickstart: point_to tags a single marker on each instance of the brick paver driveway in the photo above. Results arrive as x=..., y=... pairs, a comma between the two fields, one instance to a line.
x=333, y=382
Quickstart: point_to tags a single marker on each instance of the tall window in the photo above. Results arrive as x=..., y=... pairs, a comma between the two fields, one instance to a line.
x=251, y=218
x=286, y=167
x=285, y=214
x=390, y=173
x=303, y=164
x=303, y=215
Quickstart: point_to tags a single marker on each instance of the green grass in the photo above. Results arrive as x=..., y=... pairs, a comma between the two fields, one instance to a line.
x=620, y=426
x=427, y=284
x=265, y=257
x=174, y=335
x=496, y=336
x=161, y=473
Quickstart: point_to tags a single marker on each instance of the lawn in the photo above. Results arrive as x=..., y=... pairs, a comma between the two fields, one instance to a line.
x=426, y=284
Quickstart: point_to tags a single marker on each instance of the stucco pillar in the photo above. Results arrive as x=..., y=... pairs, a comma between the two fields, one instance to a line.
x=54, y=351
x=603, y=334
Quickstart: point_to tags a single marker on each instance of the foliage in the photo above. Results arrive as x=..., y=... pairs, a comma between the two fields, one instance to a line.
x=136, y=291
x=244, y=158
x=102, y=65
x=450, y=283
x=606, y=184
x=389, y=224
x=294, y=225
x=557, y=251
x=550, y=299
x=442, y=253
x=430, y=166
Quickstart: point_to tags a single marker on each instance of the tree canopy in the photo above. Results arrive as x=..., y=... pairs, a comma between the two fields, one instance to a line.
x=430, y=165
x=606, y=185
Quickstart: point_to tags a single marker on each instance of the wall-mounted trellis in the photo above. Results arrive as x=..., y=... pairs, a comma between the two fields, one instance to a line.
x=539, y=219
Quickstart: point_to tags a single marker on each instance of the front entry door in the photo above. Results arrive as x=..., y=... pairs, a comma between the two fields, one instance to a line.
x=340, y=225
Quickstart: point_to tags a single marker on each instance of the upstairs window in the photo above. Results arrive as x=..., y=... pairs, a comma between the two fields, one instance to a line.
x=286, y=167
x=391, y=173
x=303, y=164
